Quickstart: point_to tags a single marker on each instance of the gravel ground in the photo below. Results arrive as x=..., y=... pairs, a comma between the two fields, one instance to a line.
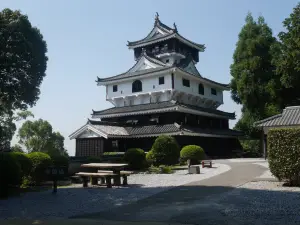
x=262, y=202
x=70, y=201
x=245, y=160
x=267, y=174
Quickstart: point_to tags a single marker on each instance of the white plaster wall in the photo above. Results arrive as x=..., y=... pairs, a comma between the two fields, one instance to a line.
x=125, y=88
x=142, y=99
x=193, y=89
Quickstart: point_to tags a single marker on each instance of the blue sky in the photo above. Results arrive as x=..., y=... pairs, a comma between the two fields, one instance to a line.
x=87, y=39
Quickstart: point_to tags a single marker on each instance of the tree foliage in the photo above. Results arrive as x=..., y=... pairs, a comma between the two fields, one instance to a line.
x=23, y=60
x=38, y=136
x=8, y=127
x=17, y=148
x=288, y=60
x=23, y=63
x=255, y=84
x=254, y=81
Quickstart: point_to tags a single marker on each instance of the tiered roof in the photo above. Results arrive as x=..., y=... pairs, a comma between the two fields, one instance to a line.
x=123, y=131
x=186, y=66
x=168, y=106
x=162, y=32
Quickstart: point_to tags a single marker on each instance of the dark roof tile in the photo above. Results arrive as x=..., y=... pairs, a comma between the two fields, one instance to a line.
x=289, y=117
x=158, y=106
x=128, y=131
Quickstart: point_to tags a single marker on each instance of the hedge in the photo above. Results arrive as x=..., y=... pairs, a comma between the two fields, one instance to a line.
x=135, y=157
x=150, y=158
x=24, y=162
x=165, y=150
x=284, y=154
x=40, y=161
x=10, y=173
x=192, y=152
x=60, y=160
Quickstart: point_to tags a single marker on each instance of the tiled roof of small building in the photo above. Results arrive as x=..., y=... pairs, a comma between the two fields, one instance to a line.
x=289, y=117
x=165, y=106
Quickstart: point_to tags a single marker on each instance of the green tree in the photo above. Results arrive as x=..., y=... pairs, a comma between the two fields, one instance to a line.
x=38, y=136
x=23, y=63
x=16, y=148
x=288, y=61
x=254, y=82
x=8, y=127
x=23, y=60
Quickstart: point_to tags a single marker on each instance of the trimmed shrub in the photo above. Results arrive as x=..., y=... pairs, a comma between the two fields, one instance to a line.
x=114, y=153
x=165, y=169
x=161, y=169
x=193, y=152
x=60, y=160
x=283, y=154
x=165, y=150
x=10, y=173
x=40, y=161
x=150, y=158
x=24, y=162
x=135, y=157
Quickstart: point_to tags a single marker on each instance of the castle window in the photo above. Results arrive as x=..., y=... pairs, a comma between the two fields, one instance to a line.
x=137, y=86
x=213, y=91
x=201, y=89
x=115, y=88
x=185, y=82
x=161, y=80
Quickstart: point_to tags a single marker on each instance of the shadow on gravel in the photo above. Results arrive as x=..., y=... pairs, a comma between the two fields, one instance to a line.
x=209, y=205
x=184, y=204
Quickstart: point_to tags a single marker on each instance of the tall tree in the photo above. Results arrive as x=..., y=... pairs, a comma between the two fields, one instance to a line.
x=23, y=60
x=16, y=148
x=8, y=127
x=38, y=136
x=23, y=63
x=288, y=61
x=254, y=83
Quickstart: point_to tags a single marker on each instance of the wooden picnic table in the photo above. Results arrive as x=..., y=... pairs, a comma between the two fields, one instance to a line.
x=115, y=167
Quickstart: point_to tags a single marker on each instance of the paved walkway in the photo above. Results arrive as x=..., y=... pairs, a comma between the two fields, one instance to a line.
x=194, y=203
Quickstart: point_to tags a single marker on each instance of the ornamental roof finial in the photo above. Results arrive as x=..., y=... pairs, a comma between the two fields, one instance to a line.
x=175, y=27
x=156, y=17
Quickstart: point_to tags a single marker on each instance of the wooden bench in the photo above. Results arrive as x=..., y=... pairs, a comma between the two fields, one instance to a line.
x=94, y=178
x=124, y=174
x=207, y=163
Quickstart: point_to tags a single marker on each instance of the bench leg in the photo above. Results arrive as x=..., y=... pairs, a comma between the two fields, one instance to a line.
x=102, y=180
x=125, y=180
x=108, y=182
x=94, y=180
x=85, y=182
x=117, y=180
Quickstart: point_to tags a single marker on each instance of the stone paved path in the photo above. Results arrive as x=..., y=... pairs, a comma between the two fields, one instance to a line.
x=194, y=203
